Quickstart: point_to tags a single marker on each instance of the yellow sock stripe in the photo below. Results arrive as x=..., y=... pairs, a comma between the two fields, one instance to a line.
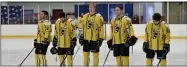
x=45, y=60
x=42, y=60
x=121, y=60
x=38, y=59
x=128, y=61
x=88, y=59
x=64, y=59
x=71, y=60
x=151, y=62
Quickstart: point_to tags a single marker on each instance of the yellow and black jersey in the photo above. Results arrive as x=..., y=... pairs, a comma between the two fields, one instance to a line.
x=80, y=23
x=93, y=27
x=44, y=31
x=64, y=32
x=120, y=30
x=157, y=35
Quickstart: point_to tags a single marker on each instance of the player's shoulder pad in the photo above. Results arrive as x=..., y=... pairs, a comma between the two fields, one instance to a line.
x=128, y=19
x=85, y=15
x=79, y=18
x=149, y=23
x=70, y=20
x=47, y=22
x=101, y=17
x=112, y=20
x=98, y=14
x=57, y=21
x=165, y=23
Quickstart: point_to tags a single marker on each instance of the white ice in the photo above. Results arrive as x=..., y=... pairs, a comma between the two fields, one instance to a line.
x=13, y=51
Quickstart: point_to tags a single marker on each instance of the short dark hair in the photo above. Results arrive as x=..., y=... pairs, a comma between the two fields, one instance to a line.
x=45, y=12
x=92, y=4
x=62, y=15
x=120, y=7
x=157, y=17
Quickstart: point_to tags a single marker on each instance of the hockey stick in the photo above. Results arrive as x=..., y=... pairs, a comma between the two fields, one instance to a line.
x=76, y=52
x=106, y=57
x=26, y=56
x=64, y=59
x=89, y=54
x=161, y=58
x=56, y=58
x=92, y=51
x=132, y=49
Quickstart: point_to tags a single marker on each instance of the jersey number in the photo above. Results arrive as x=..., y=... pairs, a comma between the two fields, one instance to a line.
x=89, y=25
x=155, y=34
x=117, y=29
x=62, y=32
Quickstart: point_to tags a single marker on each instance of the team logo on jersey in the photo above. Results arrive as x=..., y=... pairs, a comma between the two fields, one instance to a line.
x=63, y=29
x=155, y=33
x=117, y=27
x=90, y=23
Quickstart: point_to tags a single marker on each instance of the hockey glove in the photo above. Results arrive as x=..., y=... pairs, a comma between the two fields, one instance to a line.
x=145, y=47
x=73, y=43
x=81, y=39
x=100, y=41
x=55, y=42
x=132, y=40
x=35, y=43
x=167, y=47
x=110, y=46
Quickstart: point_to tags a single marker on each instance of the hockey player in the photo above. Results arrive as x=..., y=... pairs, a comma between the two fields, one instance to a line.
x=157, y=40
x=80, y=28
x=64, y=40
x=93, y=35
x=121, y=37
x=79, y=25
x=43, y=39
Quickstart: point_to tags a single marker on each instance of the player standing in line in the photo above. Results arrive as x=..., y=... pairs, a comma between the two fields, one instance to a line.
x=42, y=41
x=121, y=37
x=64, y=40
x=80, y=29
x=157, y=40
x=79, y=24
x=93, y=31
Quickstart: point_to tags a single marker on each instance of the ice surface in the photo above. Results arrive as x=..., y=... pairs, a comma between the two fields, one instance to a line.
x=13, y=51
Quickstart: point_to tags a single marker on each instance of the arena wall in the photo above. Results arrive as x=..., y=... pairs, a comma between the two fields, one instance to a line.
x=178, y=31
